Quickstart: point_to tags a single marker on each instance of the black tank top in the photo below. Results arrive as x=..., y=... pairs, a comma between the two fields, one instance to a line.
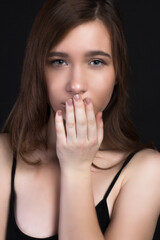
x=14, y=233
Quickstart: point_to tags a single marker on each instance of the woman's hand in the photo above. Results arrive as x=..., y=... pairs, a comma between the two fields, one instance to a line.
x=78, y=142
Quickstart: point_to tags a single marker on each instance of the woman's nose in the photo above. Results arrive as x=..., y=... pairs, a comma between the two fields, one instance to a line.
x=76, y=83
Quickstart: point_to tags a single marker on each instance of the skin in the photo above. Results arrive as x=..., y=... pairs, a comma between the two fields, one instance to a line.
x=64, y=179
x=82, y=72
x=79, y=138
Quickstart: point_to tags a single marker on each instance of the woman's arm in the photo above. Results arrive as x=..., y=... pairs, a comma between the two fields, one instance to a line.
x=137, y=207
x=78, y=218
x=5, y=182
x=76, y=149
x=134, y=214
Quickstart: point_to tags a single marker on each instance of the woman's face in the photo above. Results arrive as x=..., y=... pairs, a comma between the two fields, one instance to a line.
x=81, y=64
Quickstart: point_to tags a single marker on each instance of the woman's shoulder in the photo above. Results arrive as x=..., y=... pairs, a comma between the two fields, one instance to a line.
x=146, y=161
x=143, y=171
x=139, y=196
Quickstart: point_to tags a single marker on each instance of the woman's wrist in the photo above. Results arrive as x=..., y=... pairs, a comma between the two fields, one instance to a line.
x=77, y=171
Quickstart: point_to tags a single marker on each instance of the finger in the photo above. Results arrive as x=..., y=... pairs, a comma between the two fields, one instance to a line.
x=100, y=131
x=59, y=125
x=80, y=116
x=91, y=120
x=70, y=121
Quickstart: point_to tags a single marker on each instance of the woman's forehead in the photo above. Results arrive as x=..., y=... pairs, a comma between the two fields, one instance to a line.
x=86, y=37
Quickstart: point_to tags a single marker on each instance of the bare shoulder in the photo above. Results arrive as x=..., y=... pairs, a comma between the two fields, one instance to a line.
x=148, y=155
x=144, y=172
x=138, y=200
x=146, y=163
x=6, y=156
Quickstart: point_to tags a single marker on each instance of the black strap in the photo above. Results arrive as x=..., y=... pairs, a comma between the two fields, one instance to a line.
x=117, y=175
x=12, y=196
x=13, y=175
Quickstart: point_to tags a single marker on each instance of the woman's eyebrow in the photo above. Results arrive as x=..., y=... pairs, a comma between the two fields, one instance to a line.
x=88, y=54
x=58, y=54
x=98, y=52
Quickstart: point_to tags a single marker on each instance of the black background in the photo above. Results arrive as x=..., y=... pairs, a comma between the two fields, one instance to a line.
x=141, y=21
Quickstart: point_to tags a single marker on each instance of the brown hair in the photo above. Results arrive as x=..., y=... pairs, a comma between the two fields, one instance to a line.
x=31, y=111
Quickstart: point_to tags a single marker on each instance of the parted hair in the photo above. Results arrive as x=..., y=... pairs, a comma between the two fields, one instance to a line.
x=28, y=119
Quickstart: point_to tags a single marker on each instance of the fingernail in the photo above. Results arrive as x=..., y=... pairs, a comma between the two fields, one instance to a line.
x=87, y=100
x=69, y=102
x=76, y=97
x=59, y=113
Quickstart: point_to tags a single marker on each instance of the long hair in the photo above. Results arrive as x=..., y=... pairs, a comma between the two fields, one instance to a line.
x=29, y=116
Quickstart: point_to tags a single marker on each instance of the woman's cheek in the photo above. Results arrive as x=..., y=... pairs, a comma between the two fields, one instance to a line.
x=103, y=99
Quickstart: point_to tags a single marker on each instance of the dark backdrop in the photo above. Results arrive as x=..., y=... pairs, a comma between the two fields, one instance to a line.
x=142, y=33
x=141, y=21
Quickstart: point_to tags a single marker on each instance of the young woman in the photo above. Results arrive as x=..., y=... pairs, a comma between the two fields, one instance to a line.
x=71, y=164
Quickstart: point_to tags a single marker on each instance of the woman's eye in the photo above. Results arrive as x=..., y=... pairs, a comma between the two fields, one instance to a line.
x=58, y=62
x=97, y=62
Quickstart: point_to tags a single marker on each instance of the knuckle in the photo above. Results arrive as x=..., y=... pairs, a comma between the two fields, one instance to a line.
x=81, y=122
x=91, y=122
x=93, y=142
x=80, y=144
x=58, y=120
x=70, y=124
x=59, y=130
x=70, y=110
x=70, y=144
